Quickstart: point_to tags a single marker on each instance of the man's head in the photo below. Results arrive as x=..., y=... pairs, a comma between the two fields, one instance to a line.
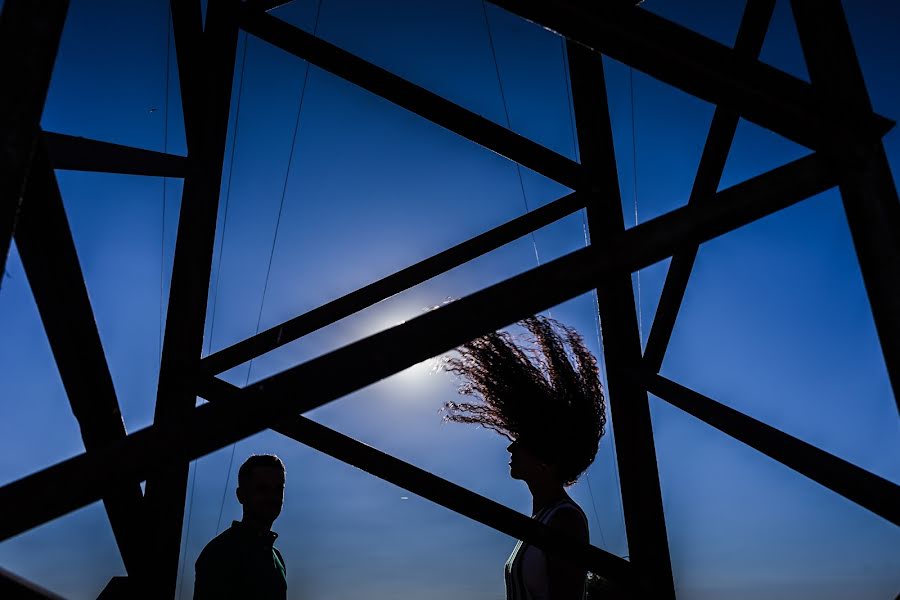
x=261, y=488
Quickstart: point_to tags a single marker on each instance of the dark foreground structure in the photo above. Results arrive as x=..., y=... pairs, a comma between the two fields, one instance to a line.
x=831, y=116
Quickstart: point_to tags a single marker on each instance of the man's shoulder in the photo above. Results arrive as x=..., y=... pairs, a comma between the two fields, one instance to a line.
x=220, y=546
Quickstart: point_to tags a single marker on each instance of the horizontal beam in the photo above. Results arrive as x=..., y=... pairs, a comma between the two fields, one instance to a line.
x=395, y=283
x=693, y=63
x=72, y=153
x=440, y=491
x=412, y=97
x=857, y=485
x=83, y=479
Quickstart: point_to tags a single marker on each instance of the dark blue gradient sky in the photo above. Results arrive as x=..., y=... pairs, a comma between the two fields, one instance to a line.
x=775, y=321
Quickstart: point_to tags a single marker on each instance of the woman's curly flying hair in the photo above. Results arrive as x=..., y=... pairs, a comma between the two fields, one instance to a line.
x=542, y=394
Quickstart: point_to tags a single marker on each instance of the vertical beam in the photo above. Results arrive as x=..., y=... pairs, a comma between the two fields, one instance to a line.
x=187, y=30
x=645, y=523
x=751, y=34
x=51, y=263
x=867, y=187
x=190, y=280
x=29, y=38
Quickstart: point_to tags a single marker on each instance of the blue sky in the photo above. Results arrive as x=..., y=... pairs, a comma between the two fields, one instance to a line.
x=775, y=321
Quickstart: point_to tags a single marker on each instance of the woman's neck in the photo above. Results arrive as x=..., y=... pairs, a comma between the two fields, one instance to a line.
x=544, y=494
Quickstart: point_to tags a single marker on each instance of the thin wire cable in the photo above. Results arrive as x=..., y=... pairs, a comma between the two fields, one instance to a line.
x=274, y=242
x=487, y=24
x=597, y=322
x=634, y=194
x=212, y=325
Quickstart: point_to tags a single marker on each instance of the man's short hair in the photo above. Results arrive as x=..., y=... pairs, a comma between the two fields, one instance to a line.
x=256, y=461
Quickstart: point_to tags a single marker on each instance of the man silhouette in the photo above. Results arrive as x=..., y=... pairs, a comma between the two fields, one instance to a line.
x=242, y=562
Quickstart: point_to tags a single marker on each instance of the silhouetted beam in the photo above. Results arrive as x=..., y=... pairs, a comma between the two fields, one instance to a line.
x=73, y=483
x=51, y=264
x=166, y=488
x=412, y=97
x=13, y=586
x=440, y=491
x=642, y=507
x=29, y=37
x=187, y=31
x=750, y=36
x=693, y=63
x=69, y=152
x=867, y=186
x=857, y=485
x=388, y=286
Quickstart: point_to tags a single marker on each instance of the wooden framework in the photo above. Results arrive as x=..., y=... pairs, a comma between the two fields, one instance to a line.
x=832, y=117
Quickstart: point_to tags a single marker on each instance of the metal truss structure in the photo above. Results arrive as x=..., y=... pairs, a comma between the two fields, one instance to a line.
x=831, y=116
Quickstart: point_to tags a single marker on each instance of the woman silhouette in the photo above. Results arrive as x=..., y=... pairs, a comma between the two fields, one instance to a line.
x=542, y=392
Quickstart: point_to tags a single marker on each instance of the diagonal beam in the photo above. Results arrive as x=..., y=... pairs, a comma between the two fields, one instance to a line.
x=412, y=97
x=693, y=63
x=857, y=485
x=69, y=152
x=750, y=36
x=266, y=5
x=386, y=287
x=13, y=586
x=29, y=38
x=440, y=491
x=645, y=523
x=166, y=489
x=867, y=186
x=357, y=300
x=73, y=483
x=51, y=264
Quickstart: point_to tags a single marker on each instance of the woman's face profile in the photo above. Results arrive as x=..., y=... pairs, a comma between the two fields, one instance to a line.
x=523, y=463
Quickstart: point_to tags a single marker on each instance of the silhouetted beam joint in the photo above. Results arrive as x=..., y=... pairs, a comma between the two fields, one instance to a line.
x=867, y=187
x=51, y=265
x=395, y=283
x=750, y=36
x=412, y=97
x=29, y=38
x=69, y=152
x=857, y=485
x=76, y=482
x=693, y=63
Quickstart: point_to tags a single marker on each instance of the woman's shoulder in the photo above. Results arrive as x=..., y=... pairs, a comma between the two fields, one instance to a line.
x=567, y=516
